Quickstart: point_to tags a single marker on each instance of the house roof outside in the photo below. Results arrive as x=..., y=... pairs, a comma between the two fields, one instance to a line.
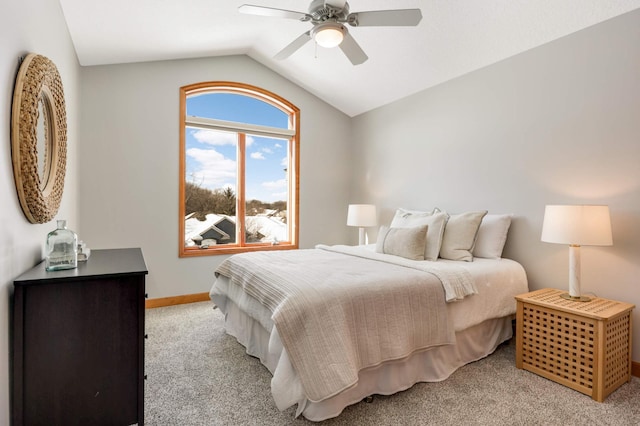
x=271, y=228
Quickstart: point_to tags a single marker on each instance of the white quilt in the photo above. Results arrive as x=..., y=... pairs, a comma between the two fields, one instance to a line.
x=455, y=279
x=339, y=310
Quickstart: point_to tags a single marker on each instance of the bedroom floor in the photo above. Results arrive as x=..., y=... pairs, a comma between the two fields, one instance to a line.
x=198, y=375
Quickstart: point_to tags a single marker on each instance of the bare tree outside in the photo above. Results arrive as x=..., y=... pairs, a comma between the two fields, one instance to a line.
x=201, y=201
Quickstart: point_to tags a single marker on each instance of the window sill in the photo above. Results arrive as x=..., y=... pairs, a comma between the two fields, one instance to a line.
x=214, y=251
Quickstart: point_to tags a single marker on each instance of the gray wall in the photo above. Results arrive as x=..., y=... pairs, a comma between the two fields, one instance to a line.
x=26, y=26
x=129, y=163
x=559, y=124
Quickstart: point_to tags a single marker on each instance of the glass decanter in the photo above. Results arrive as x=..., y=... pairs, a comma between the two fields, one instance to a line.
x=62, y=248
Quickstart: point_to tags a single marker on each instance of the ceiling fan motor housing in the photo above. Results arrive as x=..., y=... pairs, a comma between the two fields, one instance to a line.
x=321, y=11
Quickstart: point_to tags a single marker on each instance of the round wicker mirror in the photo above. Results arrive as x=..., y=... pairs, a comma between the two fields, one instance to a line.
x=39, y=138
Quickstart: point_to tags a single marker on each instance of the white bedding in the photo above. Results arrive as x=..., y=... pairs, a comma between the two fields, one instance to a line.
x=480, y=321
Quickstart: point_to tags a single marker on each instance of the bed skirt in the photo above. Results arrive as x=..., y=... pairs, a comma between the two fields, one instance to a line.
x=431, y=365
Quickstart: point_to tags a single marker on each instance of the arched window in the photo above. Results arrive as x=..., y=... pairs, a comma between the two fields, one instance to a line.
x=239, y=170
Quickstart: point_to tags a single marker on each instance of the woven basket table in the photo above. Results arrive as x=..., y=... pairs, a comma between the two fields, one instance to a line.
x=583, y=345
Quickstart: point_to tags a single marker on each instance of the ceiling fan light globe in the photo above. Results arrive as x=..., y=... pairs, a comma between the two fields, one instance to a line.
x=329, y=35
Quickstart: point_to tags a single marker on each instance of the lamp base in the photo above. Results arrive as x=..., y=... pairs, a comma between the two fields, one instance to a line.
x=575, y=298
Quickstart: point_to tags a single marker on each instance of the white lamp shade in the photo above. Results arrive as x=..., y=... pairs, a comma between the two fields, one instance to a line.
x=361, y=215
x=583, y=225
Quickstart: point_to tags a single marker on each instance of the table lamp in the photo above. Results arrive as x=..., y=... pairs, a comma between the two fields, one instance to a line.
x=361, y=215
x=576, y=225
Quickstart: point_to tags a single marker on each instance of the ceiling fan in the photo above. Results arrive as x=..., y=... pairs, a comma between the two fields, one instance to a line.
x=328, y=29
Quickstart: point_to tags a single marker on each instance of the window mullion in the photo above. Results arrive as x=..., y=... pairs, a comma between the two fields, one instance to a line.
x=240, y=192
x=292, y=181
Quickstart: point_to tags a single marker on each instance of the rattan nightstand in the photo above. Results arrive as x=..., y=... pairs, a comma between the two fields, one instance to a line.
x=583, y=345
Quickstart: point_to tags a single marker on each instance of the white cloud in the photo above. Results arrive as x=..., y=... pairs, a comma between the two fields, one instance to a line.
x=285, y=162
x=267, y=150
x=214, y=170
x=277, y=145
x=277, y=184
x=257, y=156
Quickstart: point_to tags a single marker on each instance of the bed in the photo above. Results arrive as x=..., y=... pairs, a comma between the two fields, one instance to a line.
x=336, y=324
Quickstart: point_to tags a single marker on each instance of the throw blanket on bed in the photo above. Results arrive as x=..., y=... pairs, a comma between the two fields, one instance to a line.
x=456, y=281
x=337, y=314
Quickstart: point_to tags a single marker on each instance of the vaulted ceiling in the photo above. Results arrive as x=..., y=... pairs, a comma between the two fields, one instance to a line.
x=453, y=38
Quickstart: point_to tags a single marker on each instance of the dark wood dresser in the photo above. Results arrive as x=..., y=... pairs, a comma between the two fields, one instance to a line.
x=78, y=342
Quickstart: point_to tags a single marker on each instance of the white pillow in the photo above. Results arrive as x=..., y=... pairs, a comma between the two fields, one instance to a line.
x=460, y=235
x=435, y=224
x=402, y=211
x=405, y=242
x=492, y=235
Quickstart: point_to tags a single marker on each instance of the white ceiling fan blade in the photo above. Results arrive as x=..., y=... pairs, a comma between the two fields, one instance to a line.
x=386, y=18
x=272, y=12
x=293, y=46
x=352, y=50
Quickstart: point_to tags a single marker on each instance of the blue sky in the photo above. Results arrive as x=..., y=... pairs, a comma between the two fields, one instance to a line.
x=211, y=159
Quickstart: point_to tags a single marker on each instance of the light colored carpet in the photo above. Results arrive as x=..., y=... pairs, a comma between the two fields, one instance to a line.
x=198, y=375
